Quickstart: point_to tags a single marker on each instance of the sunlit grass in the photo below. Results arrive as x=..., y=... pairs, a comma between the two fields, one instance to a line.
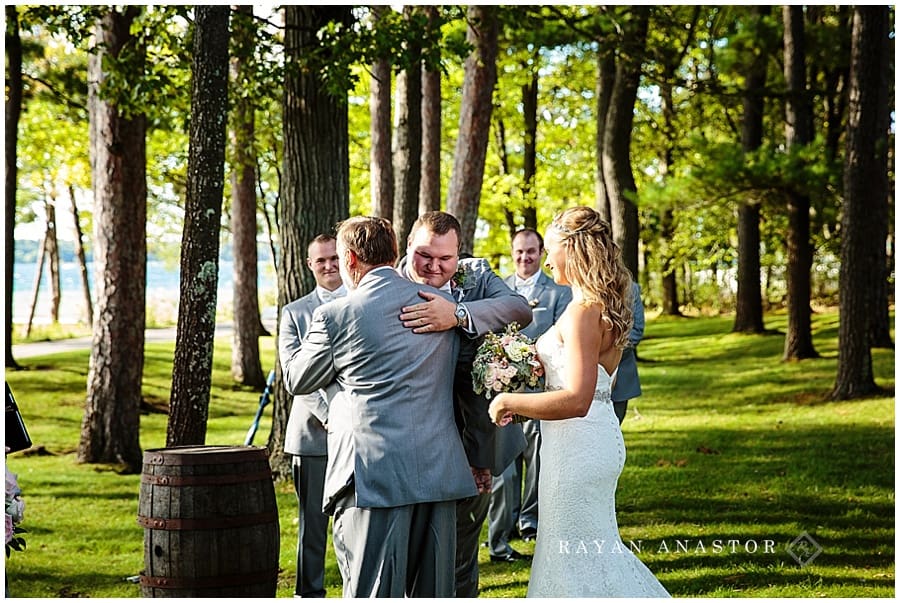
x=727, y=444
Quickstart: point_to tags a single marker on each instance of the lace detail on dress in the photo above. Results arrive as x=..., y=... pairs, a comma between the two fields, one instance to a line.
x=579, y=552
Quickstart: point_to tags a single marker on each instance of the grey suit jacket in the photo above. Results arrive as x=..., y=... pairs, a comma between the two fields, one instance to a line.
x=305, y=433
x=391, y=433
x=628, y=385
x=551, y=299
x=492, y=305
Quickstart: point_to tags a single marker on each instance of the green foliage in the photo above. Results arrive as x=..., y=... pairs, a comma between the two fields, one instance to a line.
x=726, y=442
x=686, y=157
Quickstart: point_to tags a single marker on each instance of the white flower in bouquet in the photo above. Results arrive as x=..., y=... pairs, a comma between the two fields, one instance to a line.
x=506, y=362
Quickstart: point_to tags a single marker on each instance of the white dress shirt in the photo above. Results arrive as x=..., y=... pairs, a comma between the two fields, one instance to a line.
x=326, y=296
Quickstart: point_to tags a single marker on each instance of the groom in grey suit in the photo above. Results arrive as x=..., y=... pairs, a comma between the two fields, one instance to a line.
x=481, y=303
x=509, y=504
x=396, y=464
x=305, y=434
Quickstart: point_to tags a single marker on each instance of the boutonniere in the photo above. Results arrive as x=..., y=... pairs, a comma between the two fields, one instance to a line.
x=534, y=302
x=464, y=277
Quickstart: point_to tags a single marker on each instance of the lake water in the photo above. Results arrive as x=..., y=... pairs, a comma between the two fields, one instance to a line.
x=162, y=291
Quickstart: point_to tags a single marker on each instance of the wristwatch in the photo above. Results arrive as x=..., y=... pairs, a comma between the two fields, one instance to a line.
x=461, y=315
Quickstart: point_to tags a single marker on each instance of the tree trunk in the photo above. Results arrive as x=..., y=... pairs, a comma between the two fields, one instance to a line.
x=865, y=166
x=475, y=110
x=192, y=366
x=13, y=111
x=430, y=186
x=667, y=219
x=315, y=184
x=52, y=251
x=880, y=324
x=670, y=304
x=503, y=153
x=529, y=159
x=606, y=78
x=408, y=143
x=245, y=363
x=834, y=88
x=82, y=260
x=749, y=312
x=110, y=428
x=798, y=342
x=617, y=171
x=36, y=290
x=382, y=167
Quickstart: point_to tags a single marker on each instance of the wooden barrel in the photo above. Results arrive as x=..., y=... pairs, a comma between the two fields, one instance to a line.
x=210, y=522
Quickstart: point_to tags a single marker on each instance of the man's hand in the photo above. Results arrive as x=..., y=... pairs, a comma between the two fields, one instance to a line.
x=434, y=314
x=483, y=479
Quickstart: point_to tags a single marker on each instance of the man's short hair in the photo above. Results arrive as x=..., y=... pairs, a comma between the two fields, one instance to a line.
x=371, y=239
x=436, y=222
x=322, y=238
x=526, y=231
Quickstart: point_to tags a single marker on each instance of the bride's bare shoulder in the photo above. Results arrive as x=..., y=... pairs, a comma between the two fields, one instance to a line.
x=580, y=318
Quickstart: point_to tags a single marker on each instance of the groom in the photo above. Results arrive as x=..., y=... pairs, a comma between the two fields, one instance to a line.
x=396, y=465
x=481, y=303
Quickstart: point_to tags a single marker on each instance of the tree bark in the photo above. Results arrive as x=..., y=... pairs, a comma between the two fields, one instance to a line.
x=667, y=219
x=13, y=111
x=503, y=153
x=192, y=366
x=798, y=342
x=407, y=155
x=315, y=184
x=52, y=251
x=529, y=158
x=110, y=428
x=670, y=304
x=36, y=290
x=245, y=362
x=382, y=167
x=749, y=312
x=82, y=260
x=430, y=186
x=882, y=290
x=606, y=78
x=617, y=170
x=475, y=110
x=865, y=166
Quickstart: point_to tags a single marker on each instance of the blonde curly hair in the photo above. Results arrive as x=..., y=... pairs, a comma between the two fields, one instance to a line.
x=594, y=264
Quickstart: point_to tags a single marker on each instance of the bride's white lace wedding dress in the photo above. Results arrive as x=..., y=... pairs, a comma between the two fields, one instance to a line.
x=579, y=552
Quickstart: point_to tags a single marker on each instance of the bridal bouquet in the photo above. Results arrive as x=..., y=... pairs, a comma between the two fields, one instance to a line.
x=15, y=512
x=506, y=362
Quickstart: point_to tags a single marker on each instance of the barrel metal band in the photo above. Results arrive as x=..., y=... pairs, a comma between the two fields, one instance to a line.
x=209, y=581
x=212, y=523
x=204, y=480
x=170, y=457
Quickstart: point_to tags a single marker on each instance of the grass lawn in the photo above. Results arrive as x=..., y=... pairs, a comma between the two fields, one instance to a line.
x=740, y=480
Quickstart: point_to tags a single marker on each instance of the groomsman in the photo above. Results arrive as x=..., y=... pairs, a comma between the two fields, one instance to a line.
x=628, y=385
x=509, y=505
x=396, y=464
x=305, y=434
x=481, y=303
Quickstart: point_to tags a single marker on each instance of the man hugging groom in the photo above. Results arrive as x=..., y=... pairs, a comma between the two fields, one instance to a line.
x=411, y=448
x=396, y=464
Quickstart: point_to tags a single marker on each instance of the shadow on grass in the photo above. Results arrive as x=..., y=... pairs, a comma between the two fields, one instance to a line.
x=77, y=585
x=834, y=482
x=755, y=579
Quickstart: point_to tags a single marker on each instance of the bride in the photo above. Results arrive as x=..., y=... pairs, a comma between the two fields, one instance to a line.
x=579, y=552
